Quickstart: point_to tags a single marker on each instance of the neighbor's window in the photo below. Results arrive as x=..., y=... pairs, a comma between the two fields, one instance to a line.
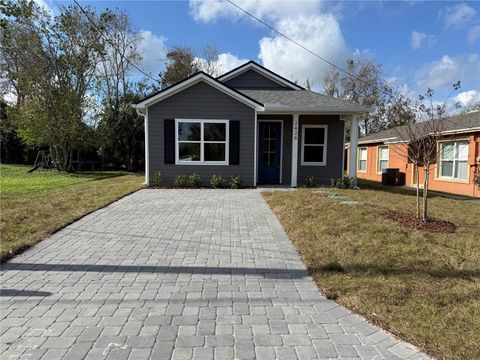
x=382, y=163
x=314, y=145
x=453, y=160
x=362, y=159
x=202, y=142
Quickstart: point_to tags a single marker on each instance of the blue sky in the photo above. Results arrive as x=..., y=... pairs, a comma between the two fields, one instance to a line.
x=419, y=43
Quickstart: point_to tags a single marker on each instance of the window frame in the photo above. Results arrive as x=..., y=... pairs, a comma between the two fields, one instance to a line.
x=366, y=159
x=202, y=142
x=452, y=178
x=325, y=143
x=379, y=171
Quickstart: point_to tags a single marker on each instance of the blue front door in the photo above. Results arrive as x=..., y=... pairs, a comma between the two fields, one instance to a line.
x=269, y=152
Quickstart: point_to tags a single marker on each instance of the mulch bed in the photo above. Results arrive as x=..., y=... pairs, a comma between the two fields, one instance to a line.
x=411, y=221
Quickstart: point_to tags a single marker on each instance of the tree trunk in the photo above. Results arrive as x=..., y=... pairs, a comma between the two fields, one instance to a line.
x=425, y=192
x=69, y=162
x=417, y=174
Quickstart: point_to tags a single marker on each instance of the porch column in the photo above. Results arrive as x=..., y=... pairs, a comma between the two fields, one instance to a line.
x=294, y=150
x=352, y=166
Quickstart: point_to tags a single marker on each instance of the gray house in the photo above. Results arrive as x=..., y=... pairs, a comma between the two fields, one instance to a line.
x=249, y=122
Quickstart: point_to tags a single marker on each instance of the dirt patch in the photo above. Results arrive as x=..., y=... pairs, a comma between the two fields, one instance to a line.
x=411, y=221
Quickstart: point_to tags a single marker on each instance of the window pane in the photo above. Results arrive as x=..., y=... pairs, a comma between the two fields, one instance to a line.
x=446, y=168
x=362, y=165
x=314, y=135
x=447, y=151
x=266, y=158
x=189, y=151
x=188, y=131
x=313, y=154
x=383, y=165
x=383, y=153
x=214, y=132
x=363, y=154
x=214, y=152
x=461, y=168
x=462, y=150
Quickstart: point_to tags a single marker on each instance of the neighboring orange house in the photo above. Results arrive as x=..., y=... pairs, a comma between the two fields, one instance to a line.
x=458, y=157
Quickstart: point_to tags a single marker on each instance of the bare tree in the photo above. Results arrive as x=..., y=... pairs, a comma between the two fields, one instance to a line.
x=209, y=61
x=424, y=122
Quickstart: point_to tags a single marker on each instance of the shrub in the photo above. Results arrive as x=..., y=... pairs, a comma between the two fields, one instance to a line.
x=216, y=181
x=181, y=181
x=235, y=181
x=157, y=178
x=195, y=180
x=346, y=182
x=310, y=182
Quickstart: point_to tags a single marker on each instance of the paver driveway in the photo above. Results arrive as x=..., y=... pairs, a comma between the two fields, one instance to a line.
x=177, y=273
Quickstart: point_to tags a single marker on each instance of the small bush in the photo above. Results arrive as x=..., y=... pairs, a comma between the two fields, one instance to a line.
x=157, y=178
x=195, y=180
x=346, y=182
x=310, y=182
x=235, y=181
x=216, y=181
x=181, y=181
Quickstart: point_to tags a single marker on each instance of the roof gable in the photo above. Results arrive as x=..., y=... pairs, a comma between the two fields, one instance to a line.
x=192, y=80
x=250, y=67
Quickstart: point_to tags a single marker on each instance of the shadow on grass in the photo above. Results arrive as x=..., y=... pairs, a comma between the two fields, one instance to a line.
x=100, y=175
x=372, y=269
x=273, y=273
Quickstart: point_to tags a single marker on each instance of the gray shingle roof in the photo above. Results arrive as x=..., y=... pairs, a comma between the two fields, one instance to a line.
x=302, y=100
x=452, y=124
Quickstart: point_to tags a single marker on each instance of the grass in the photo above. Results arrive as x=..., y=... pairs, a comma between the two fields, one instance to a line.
x=424, y=287
x=35, y=205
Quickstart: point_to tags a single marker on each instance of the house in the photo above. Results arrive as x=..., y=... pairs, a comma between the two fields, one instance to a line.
x=457, y=157
x=249, y=122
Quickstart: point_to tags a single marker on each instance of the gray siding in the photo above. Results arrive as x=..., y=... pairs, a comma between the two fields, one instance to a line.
x=287, y=144
x=251, y=79
x=201, y=101
x=334, y=166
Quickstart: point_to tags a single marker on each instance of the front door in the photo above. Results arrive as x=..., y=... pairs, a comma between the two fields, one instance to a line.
x=269, y=152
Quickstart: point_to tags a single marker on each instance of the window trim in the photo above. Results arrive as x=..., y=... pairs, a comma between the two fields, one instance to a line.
x=438, y=172
x=202, y=142
x=378, y=157
x=325, y=145
x=366, y=159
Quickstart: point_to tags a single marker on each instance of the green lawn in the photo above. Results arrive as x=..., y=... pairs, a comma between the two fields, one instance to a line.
x=35, y=205
x=422, y=286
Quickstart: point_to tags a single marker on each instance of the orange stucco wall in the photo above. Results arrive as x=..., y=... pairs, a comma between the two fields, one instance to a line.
x=398, y=159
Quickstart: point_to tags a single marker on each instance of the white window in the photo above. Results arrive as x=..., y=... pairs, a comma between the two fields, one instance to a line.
x=314, y=145
x=382, y=156
x=362, y=159
x=454, y=160
x=201, y=142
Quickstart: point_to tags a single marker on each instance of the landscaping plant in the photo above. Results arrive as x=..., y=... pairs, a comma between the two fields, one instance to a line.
x=195, y=180
x=235, y=181
x=216, y=181
x=181, y=181
x=310, y=182
x=157, y=178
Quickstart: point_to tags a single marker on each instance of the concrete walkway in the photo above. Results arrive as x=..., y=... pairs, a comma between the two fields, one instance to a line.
x=177, y=274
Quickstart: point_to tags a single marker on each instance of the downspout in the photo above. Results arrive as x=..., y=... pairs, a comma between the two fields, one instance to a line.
x=147, y=157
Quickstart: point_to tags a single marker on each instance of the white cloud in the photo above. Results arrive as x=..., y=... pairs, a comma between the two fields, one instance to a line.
x=319, y=33
x=212, y=10
x=449, y=70
x=47, y=5
x=228, y=61
x=464, y=99
x=474, y=34
x=153, y=51
x=458, y=15
x=418, y=39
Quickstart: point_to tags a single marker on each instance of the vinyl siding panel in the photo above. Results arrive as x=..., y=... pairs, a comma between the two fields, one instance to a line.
x=201, y=101
x=251, y=79
x=334, y=166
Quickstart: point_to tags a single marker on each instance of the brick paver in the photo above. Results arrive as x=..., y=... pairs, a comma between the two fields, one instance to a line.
x=177, y=274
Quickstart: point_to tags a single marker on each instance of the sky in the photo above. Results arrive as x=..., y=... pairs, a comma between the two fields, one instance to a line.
x=419, y=44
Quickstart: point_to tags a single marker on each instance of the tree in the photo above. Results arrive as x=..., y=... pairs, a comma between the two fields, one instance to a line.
x=424, y=122
x=52, y=64
x=368, y=87
x=180, y=64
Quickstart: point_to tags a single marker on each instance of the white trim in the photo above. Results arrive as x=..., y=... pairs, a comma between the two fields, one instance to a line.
x=352, y=166
x=454, y=160
x=252, y=66
x=358, y=159
x=194, y=80
x=202, y=142
x=295, y=125
x=280, y=180
x=275, y=110
x=147, y=150
x=379, y=171
x=324, y=145
x=342, y=174
x=255, y=152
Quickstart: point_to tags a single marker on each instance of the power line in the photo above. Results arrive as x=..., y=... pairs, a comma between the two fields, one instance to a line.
x=317, y=55
x=111, y=43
